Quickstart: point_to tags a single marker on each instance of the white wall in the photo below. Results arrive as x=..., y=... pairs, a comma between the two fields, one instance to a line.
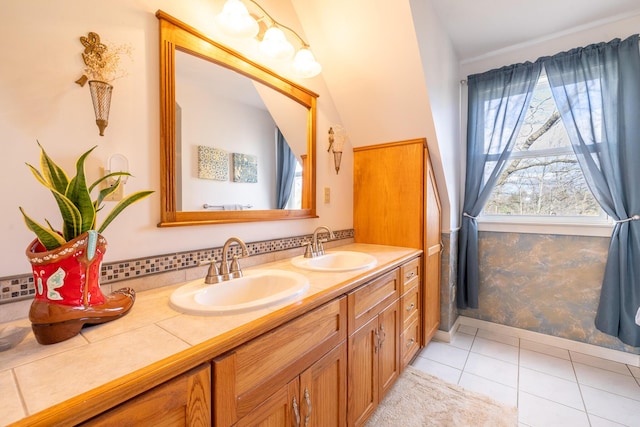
x=223, y=124
x=440, y=65
x=40, y=46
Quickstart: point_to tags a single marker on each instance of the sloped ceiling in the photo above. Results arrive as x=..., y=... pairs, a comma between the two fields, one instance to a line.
x=371, y=66
x=374, y=72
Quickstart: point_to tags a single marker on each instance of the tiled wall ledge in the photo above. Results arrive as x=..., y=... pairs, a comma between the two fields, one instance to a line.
x=21, y=287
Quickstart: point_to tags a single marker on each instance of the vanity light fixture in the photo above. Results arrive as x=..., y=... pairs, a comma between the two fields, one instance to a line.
x=236, y=20
x=337, y=138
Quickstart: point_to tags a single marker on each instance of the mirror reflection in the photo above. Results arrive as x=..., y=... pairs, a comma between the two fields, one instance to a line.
x=239, y=143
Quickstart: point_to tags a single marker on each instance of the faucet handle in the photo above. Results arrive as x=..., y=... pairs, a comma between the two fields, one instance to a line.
x=308, y=250
x=213, y=274
x=320, y=250
x=235, y=268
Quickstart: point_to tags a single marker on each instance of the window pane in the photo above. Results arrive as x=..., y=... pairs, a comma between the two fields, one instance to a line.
x=552, y=185
x=543, y=177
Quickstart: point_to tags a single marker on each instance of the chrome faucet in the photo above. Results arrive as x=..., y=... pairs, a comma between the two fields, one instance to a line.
x=228, y=269
x=231, y=270
x=316, y=244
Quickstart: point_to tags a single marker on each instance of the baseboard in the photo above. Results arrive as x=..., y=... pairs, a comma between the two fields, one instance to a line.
x=580, y=347
x=447, y=336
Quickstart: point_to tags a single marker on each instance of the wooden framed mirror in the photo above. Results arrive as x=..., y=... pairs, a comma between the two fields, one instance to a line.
x=191, y=193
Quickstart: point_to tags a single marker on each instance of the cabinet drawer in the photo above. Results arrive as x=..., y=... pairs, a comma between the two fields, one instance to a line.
x=410, y=274
x=260, y=367
x=409, y=306
x=368, y=300
x=409, y=342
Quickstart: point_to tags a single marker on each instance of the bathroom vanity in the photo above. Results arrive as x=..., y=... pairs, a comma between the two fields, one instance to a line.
x=325, y=358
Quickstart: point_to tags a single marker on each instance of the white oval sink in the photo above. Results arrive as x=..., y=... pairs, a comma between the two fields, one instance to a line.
x=336, y=261
x=257, y=289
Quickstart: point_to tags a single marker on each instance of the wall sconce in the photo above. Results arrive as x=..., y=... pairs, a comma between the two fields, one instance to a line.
x=235, y=20
x=337, y=138
x=101, y=98
x=101, y=67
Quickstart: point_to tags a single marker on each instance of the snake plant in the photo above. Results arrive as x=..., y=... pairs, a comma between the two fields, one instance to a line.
x=73, y=196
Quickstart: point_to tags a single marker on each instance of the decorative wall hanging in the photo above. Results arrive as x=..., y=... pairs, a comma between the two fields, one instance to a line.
x=337, y=138
x=213, y=163
x=245, y=168
x=102, y=66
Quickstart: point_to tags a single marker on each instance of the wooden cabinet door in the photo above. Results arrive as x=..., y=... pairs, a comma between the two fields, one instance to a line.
x=362, y=373
x=182, y=401
x=433, y=249
x=374, y=363
x=323, y=391
x=388, y=347
x=388, y=197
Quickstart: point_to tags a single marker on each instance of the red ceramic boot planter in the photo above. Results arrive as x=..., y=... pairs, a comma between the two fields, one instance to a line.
x=68, y=293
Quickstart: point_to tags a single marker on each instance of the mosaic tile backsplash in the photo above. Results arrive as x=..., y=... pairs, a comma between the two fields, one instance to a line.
x=20, y=287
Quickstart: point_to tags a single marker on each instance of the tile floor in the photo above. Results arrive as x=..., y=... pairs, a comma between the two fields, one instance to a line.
x=550, y=386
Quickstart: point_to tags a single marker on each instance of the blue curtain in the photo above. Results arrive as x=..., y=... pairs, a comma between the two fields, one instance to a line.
x=285, y=170
x=498, y=101
x=597, y=91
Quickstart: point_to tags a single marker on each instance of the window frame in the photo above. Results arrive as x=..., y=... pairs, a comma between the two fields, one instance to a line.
x=600, y=225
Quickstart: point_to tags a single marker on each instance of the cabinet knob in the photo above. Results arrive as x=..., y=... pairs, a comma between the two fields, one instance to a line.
x=410, y=274
x=410, y=342
x=411, y=307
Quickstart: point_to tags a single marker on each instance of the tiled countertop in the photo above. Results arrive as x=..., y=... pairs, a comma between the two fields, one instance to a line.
x=35, y=378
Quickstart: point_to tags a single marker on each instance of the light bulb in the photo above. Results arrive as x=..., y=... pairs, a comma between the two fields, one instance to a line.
x=305, y=65
x=275, y=45
x=235, y=20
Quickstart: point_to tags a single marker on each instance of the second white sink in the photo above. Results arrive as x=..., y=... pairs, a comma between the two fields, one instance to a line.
x=257, y=289
x=336, y=261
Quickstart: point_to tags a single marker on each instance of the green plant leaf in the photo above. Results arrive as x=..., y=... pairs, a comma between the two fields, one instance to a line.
x=104, y=193
x=52, y=173
x=104, y=178
x=131, y=198
x=71, y=216
x=79, y=195
x=49, y=238
x=39, y=176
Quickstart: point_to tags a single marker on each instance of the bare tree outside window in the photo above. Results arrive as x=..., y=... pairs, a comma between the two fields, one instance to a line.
x=543, y=177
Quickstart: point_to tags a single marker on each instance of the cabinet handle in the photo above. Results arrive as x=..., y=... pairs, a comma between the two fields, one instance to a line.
x=296, y=411
x=384, y=335
x=410, y=342
x=411, y=307
x=307, y=399
x=377, y=342
x=410, y=275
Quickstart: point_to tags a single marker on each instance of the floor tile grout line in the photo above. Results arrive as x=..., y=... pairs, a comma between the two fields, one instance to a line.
x=518, y=379
x=464, y=365
x=584, y=404
x=571, y=359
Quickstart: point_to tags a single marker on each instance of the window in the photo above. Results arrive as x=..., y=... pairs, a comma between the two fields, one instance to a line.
x=542, y=181
x=295, y=200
